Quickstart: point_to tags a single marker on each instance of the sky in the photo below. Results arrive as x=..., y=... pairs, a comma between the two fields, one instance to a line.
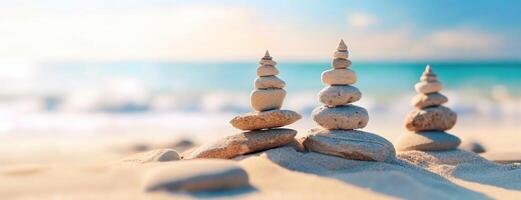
x=213, y=31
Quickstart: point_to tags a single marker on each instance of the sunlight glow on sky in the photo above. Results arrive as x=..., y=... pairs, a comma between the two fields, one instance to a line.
x=206, y=31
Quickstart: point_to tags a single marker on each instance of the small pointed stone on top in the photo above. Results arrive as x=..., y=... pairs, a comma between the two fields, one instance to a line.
x=267, y=56
x=428, y=75
x=428, y=69
x=341, y=46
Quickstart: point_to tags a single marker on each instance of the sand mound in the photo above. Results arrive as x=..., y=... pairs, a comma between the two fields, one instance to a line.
x=396, y=178
x=284, y=173
x=462, y=166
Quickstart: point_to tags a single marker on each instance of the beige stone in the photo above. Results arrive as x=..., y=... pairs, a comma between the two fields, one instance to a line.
x=428, y=87
x=429, y=78
x=266, y=119
x=428, y=141
x=432, y=118
x=271, y=63
x=341, y=117
x=339, y=95
x=350, y=144
x=341, y=46
x=269, y=82
x=267, y=99
x=196, y=175
x=339, y=77
x=339, y=63
x=267, y=71
x=341, y=54
x=158, y=155
x=244, y=143
x=428, y=100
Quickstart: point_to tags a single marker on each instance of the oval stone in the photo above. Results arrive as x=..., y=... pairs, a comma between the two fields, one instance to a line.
x=350, y=144
x=264, y=62
x=196, y=175
x=342, y=117
x=428, y=100
x=341, y=54
x=267, y=71
x=339, y=77
x=428, y=141
x=339, y=95
x=269, y=82
x=266, y=119
x=267, y=99
x=438, y=118
x=244, y=143
x=339, y=63
x=428, y=87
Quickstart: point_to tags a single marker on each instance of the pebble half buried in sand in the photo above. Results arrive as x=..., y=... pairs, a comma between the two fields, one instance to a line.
x=432, y=118
x=159, y=155
x=428, y=141
x=267, y=99
x=339, y=95
x=266, y=119
x=244, y=143
x=339, y=77
x=196, y=175
x=351, y=144
x=428, y=100
x=341, y=117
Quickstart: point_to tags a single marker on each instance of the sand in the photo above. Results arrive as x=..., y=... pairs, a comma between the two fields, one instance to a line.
x=282, y=173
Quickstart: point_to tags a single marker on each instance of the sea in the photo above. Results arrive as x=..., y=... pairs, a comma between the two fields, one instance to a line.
x=76, y=96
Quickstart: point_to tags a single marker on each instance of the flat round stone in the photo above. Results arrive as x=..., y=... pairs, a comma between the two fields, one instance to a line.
x=428, y=100
x=244, y=143
x=339, y=77
x=350, y=144
x=428, y=87
x=439, y=118
x=428, y=141
x=341, y=54
x=158, y=155
x=340, y=63
x=342, y=117
x=338, y=95
x=264, y=62
x=266, y=119
x=196, y=175
x=267, y=71
x=267, y=99
x=269, y=82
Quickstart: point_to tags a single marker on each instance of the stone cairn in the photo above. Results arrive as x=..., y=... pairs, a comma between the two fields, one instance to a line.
x=261, y=126
x=338, y=117
x=430, y=119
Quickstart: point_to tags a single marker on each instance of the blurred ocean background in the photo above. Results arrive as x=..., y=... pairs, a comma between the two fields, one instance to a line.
x=192, y=98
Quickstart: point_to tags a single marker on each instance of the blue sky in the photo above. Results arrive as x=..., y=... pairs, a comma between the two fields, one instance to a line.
x=162, y=30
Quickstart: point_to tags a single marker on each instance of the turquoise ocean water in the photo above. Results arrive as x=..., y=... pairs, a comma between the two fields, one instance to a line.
x=379, y=79
x=140, y=87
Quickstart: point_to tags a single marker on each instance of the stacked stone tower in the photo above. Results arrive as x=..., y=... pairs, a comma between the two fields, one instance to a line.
x=338, y=118
x=261, y=127
x=429, y=121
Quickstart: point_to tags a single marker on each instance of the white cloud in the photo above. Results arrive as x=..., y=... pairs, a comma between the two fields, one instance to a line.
x=361, y=20
x=215, y=33
x=458, y=43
